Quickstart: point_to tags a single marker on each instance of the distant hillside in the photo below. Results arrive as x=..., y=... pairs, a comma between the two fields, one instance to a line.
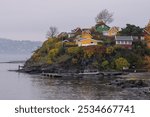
x=8, y=46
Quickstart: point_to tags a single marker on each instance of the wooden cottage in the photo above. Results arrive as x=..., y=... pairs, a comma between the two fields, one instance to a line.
x=86, y=34
x=63, y=35
x=113, y=31
x=86, y=39
x=101, y=27
x=124, y=41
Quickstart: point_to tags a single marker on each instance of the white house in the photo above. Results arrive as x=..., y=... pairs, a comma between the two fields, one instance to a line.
x=124, y=41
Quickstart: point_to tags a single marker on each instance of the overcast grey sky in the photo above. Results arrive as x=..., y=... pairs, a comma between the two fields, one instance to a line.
x=30, y=19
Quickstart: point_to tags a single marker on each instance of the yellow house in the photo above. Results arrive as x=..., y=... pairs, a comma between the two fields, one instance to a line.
x=86, y=35
x=86, y=39
x=147, y=34
x=113, y=31
x=86, y=42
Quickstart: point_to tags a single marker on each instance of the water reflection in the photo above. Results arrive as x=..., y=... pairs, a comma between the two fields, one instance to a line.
x=24, y=86
x=74, y=88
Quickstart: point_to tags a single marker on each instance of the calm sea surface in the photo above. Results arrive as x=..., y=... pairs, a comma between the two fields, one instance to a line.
x=24, y=86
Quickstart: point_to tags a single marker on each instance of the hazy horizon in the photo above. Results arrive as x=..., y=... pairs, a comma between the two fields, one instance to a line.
x=30, y=19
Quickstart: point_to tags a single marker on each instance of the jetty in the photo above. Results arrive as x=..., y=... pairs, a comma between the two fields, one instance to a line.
x=112, y=73
x=82, y=74
x=51, y=75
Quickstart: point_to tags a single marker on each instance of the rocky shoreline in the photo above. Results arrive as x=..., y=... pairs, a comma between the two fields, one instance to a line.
x=133, y=86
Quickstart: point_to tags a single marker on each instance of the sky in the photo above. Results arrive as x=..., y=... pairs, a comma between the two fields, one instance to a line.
x=31, y=19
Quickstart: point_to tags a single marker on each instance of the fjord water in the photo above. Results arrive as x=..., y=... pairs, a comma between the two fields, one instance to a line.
x=18, y=86
x=15, y=85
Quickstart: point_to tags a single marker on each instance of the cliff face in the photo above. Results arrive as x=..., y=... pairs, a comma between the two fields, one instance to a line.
x=55, y=55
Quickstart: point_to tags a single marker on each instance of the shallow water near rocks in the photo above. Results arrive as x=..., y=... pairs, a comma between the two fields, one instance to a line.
x=18, y=86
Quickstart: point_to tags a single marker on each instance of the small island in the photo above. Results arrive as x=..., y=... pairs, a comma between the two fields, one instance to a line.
x=100, y=47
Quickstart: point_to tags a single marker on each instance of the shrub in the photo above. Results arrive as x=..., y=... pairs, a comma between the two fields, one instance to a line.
x=73, y=50
x=95, y=64
x=109, y=50
x=53, y=53
x=121, y=62
x=70, y=44
x=62, y=58
x=105, y=64
x=58, y=45
x=74, y=61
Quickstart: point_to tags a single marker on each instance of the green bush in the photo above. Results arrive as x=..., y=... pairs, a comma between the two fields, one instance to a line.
x=105, y=64
x=73, y=50
x=121, y=62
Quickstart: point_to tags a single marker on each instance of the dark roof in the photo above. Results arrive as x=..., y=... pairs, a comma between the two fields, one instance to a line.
x=122, y=38
x=76, y=30
x=101, y=23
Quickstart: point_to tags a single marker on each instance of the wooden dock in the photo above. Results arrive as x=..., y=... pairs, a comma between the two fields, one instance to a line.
x=102, y=73
x=51, y=75
x=86, y=74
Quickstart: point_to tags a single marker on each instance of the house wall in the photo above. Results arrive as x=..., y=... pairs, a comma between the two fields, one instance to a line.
x=71, y=35
x=86, y=36
x=87, y=42
x=119, y=42
x=112, y=33
x=102, y=28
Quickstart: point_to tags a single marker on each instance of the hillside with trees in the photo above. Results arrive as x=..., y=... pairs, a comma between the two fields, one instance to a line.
x=64, y=53
x=57, y=55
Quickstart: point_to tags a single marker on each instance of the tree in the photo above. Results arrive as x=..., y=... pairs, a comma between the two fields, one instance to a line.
x=52, y=32
x=121, y=62
x=104, y=16
x=109, y=50
x=131, y=30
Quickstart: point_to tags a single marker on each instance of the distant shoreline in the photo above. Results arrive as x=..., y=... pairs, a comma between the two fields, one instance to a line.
x=21, y=61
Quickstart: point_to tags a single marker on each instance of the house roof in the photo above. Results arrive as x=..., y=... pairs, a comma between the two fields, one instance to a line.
x=76, y=30
x=114, y=28
x=101, y=23
x=124, y=38
x=86, y=32
x=63, y=33
x=70, y=33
